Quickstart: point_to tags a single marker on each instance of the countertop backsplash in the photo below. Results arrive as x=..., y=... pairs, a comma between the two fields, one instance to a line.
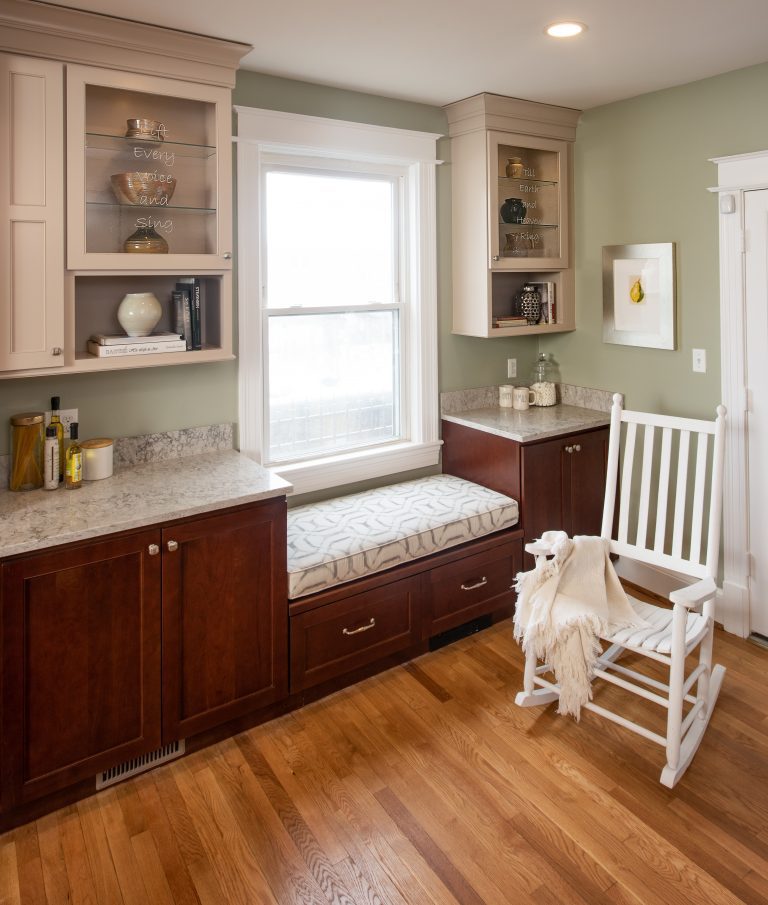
x=189, y=441
x=455, y=401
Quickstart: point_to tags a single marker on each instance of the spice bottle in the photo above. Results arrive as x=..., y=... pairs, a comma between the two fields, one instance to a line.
x=26, y=451
x=73, y=475
x=51, y=459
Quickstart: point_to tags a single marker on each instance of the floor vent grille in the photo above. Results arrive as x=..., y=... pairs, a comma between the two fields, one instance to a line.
x=760, y=640
x=139, y=764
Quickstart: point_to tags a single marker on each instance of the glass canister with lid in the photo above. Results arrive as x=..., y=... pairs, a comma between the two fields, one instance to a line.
x=27, y=441
x=542, y=381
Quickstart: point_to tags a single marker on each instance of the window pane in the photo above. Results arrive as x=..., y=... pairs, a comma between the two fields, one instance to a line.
x=329, y=240
x=333, y=382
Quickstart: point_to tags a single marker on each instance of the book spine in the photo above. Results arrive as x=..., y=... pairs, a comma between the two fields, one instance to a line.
x=177, y=298
x=142, y=349
x=184, y=289
x=197, y=339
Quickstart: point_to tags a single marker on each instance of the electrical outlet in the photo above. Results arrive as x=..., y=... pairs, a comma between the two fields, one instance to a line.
x=511, y=367
x=67, y=417
x=700, y=361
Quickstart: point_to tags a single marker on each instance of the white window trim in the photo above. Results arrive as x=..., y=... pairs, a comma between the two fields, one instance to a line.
x=273, y=132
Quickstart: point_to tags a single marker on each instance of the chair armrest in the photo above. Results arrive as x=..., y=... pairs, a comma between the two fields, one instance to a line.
x=694, y=595
x=539, y=548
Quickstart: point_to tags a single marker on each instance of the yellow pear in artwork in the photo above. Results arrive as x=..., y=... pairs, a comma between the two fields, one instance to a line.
x=636, y=293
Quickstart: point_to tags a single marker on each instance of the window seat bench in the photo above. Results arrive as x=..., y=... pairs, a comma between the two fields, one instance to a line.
x=374, y=575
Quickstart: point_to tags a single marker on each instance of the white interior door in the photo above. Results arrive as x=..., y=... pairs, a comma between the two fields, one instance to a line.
x=756, y=333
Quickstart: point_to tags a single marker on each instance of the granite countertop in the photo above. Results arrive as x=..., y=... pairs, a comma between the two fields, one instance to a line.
x=536, y=423
x=133, y=497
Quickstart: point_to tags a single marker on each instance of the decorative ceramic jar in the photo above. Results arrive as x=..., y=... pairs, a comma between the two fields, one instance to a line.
x=139, y=313
x=512, y=211
x=514, y=168
x=530, y=303
x=146, y=241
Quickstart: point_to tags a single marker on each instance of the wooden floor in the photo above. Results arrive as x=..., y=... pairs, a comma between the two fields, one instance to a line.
x=426, y=785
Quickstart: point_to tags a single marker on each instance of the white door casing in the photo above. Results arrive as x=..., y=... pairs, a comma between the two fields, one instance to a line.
x=739, y=176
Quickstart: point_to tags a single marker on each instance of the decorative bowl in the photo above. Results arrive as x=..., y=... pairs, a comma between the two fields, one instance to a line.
x=148, y=129
x=150, y=189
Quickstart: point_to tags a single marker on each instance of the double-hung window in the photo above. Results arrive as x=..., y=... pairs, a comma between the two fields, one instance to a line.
x=337, y=298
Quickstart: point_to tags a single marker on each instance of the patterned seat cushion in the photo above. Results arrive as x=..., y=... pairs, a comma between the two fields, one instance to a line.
x=346, y=538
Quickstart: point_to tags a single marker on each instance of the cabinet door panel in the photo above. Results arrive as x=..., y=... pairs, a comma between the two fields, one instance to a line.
x=543, y=509
x=225, y=618
x=31, y=213
x=587, y=484
x=81, y=663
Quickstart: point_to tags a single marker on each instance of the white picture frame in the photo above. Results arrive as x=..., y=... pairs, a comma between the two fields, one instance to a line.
x=639, y=295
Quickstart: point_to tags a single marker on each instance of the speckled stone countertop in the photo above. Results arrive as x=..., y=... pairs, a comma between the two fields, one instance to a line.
x=534, y=424
x=133, y=497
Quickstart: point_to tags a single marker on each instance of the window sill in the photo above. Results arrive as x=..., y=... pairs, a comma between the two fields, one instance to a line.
x=361, y=465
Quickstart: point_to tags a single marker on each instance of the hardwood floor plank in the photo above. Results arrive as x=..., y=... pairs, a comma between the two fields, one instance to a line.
x=10, y=892
x=29, y=864
x=126, y=867
x=99, y=853
x=152, y=874
x=52, y=860
x=168, y=851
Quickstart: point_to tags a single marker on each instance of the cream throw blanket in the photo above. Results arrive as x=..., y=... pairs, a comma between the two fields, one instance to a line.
x=565, y=605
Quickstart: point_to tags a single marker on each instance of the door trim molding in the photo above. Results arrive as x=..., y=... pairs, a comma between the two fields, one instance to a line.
x=735, y=175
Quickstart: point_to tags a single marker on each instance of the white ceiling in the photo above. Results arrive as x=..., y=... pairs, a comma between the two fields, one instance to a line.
x=437, y=51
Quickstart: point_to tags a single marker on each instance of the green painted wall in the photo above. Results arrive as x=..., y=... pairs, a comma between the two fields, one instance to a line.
x=642, y=174
x=155, y=399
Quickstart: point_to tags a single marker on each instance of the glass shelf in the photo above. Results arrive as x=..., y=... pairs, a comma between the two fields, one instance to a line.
x=528, y=225
x=159, y=208
x=97, y=142
x=518, y=180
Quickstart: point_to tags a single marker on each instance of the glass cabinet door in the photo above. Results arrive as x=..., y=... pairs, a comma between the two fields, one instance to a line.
x=147, y=158
x=528, y=194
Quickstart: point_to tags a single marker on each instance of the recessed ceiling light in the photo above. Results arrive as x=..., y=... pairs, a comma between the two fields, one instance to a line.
x=565, y=29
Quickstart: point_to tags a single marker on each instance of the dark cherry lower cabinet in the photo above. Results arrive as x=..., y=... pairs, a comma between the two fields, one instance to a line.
x=559, y=483
x=113, y=647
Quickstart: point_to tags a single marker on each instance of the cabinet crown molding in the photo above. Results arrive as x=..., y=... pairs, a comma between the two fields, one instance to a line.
x=511, y=114
x=74, y=36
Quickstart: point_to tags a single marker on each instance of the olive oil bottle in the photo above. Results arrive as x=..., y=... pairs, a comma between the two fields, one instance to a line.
x=73, y=474
x=56, y=422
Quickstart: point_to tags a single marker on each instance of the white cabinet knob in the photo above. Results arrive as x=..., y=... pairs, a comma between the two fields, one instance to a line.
x=173, y=546
x=153, y=549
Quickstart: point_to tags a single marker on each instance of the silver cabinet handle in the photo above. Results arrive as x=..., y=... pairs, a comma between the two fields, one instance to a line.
x=496, y=257
x=356, y=631
x=153, y=549
x=476, y=584
x=569, y=449
x=173, y=546
x=577, y=448
x=56, y=350
x=227, y=255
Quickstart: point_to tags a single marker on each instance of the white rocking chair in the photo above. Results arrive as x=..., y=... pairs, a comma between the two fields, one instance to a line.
x=690, y=624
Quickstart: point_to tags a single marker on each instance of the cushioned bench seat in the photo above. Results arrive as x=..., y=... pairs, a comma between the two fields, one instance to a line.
x=349, y=537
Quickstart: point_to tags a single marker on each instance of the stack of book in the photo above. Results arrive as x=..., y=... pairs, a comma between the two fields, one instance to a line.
x=548, y=311
x=187, y=311
x=510, y=321
x=105, y=346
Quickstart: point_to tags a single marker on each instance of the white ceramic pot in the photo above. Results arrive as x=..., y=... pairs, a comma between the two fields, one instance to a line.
x=139, y=313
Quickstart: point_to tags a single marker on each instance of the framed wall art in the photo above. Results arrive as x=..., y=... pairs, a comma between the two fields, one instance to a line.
x=639, y=295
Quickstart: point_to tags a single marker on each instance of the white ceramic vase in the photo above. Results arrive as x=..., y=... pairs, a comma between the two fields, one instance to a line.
x=139, y=313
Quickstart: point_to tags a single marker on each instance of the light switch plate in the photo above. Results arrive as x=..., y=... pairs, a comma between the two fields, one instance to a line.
x=511, y=367
x=700, y=361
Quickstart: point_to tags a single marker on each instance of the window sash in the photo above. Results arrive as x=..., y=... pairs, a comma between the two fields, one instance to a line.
x=341, y=168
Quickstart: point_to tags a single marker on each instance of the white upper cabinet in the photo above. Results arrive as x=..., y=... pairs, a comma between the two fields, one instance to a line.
x=511, y=202
x=171, y=178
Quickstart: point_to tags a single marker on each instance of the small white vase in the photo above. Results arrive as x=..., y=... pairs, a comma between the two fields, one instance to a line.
x=139, y=313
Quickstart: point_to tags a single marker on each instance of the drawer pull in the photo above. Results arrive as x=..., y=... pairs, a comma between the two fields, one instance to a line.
x=356, y=631
x=477, y=584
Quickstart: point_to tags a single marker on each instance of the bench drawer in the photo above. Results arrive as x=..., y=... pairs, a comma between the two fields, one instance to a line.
x=339, y=637
x=470, y=587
